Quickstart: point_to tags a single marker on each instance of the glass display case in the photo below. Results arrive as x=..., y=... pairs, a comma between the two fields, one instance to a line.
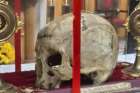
x=58, y=46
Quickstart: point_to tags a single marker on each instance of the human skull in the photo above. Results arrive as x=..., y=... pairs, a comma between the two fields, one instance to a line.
x=54, y=50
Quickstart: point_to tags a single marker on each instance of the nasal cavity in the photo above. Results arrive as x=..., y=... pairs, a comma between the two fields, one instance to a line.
x=54, y=59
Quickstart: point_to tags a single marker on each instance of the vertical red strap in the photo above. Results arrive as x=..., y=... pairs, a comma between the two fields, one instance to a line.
x=76, y=46
x=17, y=7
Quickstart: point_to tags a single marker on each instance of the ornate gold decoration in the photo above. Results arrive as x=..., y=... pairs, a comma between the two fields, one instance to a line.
x=134, y=26
x=126, y=24
x=20, y=22
x=135, y=69
x=7, y=21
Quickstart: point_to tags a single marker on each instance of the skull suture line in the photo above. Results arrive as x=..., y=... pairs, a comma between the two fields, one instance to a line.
x=54, y=50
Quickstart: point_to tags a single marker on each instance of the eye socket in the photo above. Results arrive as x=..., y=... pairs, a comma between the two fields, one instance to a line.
x=93, y=74
x=54, y=59
x=50, y=73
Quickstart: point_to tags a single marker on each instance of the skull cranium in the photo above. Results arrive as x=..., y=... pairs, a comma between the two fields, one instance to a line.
x=54, y=50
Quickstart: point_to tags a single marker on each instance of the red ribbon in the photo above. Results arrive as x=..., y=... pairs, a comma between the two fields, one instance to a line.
x=17, y=6
x=76, y=46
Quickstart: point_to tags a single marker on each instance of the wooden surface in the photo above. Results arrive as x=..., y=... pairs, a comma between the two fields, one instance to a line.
x=123, y=5
x=30, y=19
x=58, y=7
x=90, y=5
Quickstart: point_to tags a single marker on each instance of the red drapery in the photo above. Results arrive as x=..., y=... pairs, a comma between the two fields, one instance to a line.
x=76, y=46
x=17, y=6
